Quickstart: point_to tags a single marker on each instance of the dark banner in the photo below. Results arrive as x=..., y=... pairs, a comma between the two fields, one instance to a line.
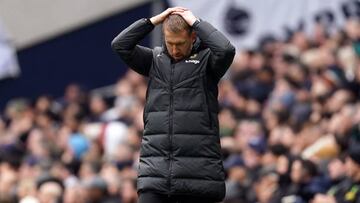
x=83, y=56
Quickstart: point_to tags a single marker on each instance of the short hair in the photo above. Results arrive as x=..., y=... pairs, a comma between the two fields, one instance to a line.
x=175, y=23
x=309, y=167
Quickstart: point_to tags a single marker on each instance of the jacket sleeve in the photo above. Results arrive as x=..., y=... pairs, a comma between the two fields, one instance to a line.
x=137, y=57
x=222, y=51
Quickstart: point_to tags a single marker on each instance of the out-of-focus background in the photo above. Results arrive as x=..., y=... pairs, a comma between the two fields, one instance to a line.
x=71, y=111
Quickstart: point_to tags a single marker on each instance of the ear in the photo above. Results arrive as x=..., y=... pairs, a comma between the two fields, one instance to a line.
x=193, y=36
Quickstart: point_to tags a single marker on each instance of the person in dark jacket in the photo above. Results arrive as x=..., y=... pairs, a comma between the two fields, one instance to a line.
x=348, y=190
x=180, y=155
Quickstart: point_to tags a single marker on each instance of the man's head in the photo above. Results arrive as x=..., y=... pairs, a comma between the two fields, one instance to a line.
x=302, y=171
x=179, y=37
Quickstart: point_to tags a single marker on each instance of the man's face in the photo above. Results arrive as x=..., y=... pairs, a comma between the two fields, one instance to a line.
x=179, y=45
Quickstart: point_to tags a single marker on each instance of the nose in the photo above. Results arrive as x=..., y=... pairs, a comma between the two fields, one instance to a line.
x=174, y=50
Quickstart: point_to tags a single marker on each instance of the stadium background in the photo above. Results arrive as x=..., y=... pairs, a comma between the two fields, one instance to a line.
x=292, y=92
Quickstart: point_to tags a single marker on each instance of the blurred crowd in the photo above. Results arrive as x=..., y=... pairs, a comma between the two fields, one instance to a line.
x=289, y=125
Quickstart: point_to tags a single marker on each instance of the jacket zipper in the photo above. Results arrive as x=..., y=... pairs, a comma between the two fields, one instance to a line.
x=146, y=96
x=207, y=100
x=171, y=126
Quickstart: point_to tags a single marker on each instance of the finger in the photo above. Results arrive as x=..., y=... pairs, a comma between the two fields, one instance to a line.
x=178, y=13
x=181, y=8
x=170, y=10
x=178, y=10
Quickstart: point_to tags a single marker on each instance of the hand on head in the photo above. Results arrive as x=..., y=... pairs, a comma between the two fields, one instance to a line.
x=183, y=12
x=187, y=15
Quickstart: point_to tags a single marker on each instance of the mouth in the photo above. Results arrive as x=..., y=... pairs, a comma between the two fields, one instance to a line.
x=177, y=56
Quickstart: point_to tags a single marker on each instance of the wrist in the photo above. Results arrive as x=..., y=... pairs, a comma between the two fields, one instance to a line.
x=197, y=20
x=194, y=21
x=154, y=20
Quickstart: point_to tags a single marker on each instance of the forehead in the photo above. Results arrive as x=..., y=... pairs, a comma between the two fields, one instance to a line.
x=176, y=37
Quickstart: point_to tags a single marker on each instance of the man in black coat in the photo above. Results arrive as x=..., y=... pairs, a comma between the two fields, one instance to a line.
x=180, y=155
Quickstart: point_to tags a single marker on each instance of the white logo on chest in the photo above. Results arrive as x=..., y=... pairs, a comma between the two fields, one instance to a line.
x=192, y=61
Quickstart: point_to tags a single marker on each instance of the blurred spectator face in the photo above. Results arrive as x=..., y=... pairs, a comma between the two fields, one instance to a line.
x=338, y=100
x=73, y=93
x=124, y=156
x=266, y=187
x=128, y=191
x=252, y=159
x=336, y=169
x=94, y=153
x=302, y=171
x=352, y=28
x=257, y=61
x=227, y=122
x=43, y=104
x=300, y=41
x=111, y=175
x=237, y=174
x=253, y=108
x=8, y=180
x=97, y=105
x=297, y=172
x=63, y=136
x=271, y=119
x=15, y=109
x=71, y=123
x=268, y=159
x=70, y=112
x=49, y=192
x=247, y=130
x=282, y=164
x=341, y=122
x=319, y=87
x=87, y=171
x=74, y=195
x=352, y=169
x=95, y=189
x=43, y=120
x=36, y=144
x=297, y=73
x=282, y=135
x=319, y=34
x=26, y=187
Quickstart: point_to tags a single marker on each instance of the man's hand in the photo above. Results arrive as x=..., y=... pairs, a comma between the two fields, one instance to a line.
x=156, y=20
x=187, y=15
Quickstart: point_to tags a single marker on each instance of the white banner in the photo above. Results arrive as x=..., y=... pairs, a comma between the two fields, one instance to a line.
x=247, y=22
x=8, y=62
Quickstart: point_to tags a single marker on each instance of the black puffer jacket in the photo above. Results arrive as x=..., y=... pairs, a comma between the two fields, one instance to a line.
x=180, y=152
